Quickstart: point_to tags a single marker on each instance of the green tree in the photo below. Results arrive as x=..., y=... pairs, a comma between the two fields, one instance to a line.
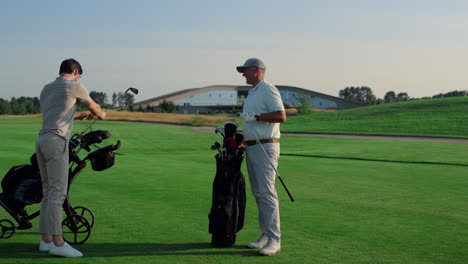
x=28, y=104
x=114, y=99
x=99, y=97
x=167, y=107
x=390, y=97
x=37, y=105
x=305, y=106
x=17, y=108
x=361, y=95
x=402, y=97
x=5, y=108
x=122, y=100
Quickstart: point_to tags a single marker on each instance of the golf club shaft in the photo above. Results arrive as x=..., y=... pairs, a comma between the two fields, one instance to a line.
x=272, y=165
x=92, y=123
x=132, y=89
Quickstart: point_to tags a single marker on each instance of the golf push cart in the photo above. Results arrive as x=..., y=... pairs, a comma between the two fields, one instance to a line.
x=22, y=186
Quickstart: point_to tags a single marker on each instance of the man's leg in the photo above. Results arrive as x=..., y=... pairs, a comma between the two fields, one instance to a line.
x=41, y=160
x=262, y=178
x=54, y=150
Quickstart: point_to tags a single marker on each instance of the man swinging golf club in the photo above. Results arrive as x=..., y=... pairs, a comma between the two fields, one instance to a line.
x=262, y=113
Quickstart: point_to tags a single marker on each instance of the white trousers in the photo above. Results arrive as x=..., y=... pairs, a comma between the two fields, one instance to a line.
x=262, y=178
x=52, y=156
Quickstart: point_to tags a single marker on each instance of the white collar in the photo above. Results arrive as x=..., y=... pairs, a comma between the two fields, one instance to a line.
x=256, y=86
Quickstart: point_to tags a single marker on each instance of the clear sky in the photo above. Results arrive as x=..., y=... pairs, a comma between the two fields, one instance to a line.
x=414, y=46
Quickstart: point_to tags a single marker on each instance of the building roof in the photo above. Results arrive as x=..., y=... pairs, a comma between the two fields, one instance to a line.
x=194, y=91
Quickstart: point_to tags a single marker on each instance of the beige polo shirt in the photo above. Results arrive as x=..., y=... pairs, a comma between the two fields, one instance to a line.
x=263, y=98
x=58, y=101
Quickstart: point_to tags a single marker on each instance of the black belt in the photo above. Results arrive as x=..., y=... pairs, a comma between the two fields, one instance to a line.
x=262, y=141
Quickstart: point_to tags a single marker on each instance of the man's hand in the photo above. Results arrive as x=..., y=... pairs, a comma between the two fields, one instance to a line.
x=96, y=110
x=248, y=116
x=83, y=116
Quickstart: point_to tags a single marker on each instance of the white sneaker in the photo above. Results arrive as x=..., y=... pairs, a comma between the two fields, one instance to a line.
x=65, y=250
x=44, y=247
x=260, y=243
x=271, y=248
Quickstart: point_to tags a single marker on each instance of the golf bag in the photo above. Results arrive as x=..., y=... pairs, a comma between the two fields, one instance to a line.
x=22, y=184
x=227, y=212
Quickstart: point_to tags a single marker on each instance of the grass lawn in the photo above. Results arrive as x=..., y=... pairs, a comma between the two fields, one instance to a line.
x=444, y=117
x=403, y=202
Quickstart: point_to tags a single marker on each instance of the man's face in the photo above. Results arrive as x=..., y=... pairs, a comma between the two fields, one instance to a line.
x=250, y=75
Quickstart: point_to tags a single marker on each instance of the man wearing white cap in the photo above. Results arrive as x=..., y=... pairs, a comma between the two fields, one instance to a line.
x=262, y=114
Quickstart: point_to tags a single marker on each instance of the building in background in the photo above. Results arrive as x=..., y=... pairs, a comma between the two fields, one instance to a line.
x=231, y=98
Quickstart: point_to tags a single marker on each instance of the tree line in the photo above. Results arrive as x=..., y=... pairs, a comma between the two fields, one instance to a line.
x=30, y=105
x=361, y=95
x=126, y=101
x=364, y=95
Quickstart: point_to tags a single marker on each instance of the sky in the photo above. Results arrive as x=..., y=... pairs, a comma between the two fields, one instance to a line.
x=415, y=46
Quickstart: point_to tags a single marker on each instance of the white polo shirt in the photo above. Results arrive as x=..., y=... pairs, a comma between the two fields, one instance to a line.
x=263, y=98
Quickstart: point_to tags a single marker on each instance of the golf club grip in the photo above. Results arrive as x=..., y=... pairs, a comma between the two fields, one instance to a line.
x=286, y=188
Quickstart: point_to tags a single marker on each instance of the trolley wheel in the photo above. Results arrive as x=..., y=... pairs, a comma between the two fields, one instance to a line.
x=86, y=213
x=76, y=229
x=7, y=228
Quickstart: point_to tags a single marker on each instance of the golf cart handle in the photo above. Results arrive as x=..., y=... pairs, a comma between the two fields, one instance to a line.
x=117, y=146
x=93, y=137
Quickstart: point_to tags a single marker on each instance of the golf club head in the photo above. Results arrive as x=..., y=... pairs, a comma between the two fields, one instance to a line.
x=220, y=130
x=133, y=90
x=216, y=145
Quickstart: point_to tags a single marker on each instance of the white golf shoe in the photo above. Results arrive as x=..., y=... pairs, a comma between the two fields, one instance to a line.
x=271, y=248
x=65, y=250
x=45, y=247
x=260, y=243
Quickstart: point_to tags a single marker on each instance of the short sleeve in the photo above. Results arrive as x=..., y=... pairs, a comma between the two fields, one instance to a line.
x=273, y=99
x=80, y=92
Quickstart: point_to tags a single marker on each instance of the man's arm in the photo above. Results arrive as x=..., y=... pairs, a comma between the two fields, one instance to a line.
x=94, y=108
x=273, y=117
x=83, y=116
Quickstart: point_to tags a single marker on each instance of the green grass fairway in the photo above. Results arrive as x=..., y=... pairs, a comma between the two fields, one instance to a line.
x=357, y=201
x=445, y=117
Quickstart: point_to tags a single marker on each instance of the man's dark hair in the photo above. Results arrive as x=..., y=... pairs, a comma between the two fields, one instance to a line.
x=68, y=66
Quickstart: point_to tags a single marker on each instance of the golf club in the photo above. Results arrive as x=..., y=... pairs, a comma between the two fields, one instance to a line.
x=216, y=146
x=132, y=89
x=220, y=130
x=277, y=173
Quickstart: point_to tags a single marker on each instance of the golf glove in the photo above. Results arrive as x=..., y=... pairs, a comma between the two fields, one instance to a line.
x=247, y=116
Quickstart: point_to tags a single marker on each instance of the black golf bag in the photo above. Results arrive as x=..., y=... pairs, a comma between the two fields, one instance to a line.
x=227, y=213
x=22, y=184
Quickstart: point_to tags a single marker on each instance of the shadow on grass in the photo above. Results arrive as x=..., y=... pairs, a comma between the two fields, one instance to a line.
x=30, y=250
x=377, y=160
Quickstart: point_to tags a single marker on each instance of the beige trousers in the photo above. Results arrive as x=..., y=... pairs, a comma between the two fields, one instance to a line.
x=262, y=178
x=52, y=156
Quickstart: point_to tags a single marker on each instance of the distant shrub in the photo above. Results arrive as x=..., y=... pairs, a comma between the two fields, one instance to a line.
x=305, y=106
